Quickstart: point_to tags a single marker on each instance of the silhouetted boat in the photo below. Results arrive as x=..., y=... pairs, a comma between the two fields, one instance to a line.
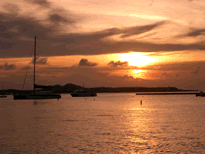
x=84, y=92
x=3, y=96
x=201, y=94
x=35, y=94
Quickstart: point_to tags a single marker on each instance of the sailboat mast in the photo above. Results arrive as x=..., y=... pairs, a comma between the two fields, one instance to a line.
x=34, y=62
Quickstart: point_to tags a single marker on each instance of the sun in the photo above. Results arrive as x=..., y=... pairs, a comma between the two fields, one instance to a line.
x=137, y=59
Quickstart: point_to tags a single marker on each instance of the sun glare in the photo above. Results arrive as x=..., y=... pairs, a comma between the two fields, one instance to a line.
x=137, y=73
x=137, y=59
x=131, y=73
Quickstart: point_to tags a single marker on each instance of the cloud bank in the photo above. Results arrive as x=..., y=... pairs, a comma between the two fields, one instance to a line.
x=40, y=60
x=85, y=62
x=43, y=3
x=55, y=38
x=117, y=64
x=7, y=66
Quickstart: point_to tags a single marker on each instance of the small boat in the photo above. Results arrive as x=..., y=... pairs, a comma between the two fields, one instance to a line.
x=35, y=94
x=84, y=92
x=3, y=96
x=201, y=94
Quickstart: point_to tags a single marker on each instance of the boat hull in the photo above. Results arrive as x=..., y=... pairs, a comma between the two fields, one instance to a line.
x=36, y=96
x=84, y=92
x=3, y=96
x=83, y=95
x=200, y=95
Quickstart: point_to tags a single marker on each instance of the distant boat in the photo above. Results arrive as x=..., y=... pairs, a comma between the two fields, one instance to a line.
x=84, y=92
x=3, y=96
x=201, y=94
x=35, y=94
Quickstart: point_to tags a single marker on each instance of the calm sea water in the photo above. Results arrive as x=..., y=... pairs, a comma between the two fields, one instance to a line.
x=109, y=123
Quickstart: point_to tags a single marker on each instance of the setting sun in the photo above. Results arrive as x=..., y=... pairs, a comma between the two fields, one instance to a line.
x=137, y=73
x=137, y=59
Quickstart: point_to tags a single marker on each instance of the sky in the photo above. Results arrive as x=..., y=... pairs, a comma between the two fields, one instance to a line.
x=153, y=43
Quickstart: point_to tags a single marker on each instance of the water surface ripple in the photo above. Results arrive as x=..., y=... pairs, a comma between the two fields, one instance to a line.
x=108, y=123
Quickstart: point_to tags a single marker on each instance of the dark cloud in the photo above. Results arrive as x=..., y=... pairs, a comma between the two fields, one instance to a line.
x=129, y=77
x=60, y=16
x=40, y=61
x=81, y=44
x=14, y=28
x=148, y=35
x=25, y=68
x=167, y=75
x=118, y=63
x=7, y=66
x=55, y=15
x=140, y=29
x=43, y=3
x=85, y=62
x=167, y=53
x=17, y=33
x=196, y=32
x=193, y=32
x=22, y=26
x=196, y=71
x=11, y=8
x=125, y=32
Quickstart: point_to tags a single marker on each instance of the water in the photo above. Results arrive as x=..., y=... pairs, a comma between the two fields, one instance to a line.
x=108, y=123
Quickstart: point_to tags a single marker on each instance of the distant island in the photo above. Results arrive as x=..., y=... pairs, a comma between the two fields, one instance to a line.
x=69, y=88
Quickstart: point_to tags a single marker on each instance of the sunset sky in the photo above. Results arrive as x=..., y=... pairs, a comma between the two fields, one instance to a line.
x=152, y=43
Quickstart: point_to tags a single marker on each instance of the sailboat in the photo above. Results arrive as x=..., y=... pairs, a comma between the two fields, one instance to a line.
x=36, y=94
x=2, y=95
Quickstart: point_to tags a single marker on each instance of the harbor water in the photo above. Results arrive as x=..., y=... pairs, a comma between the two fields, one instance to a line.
x=111, y=123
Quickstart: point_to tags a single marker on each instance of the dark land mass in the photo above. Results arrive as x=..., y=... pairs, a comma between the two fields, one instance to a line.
x=69, y=88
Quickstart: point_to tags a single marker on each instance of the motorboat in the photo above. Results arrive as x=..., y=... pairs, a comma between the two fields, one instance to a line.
x=84, y=92
x=201, y=94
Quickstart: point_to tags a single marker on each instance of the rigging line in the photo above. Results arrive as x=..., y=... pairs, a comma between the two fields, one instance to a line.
x=26, y=72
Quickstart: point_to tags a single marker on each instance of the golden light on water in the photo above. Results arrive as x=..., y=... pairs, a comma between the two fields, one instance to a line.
x=137, y=59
